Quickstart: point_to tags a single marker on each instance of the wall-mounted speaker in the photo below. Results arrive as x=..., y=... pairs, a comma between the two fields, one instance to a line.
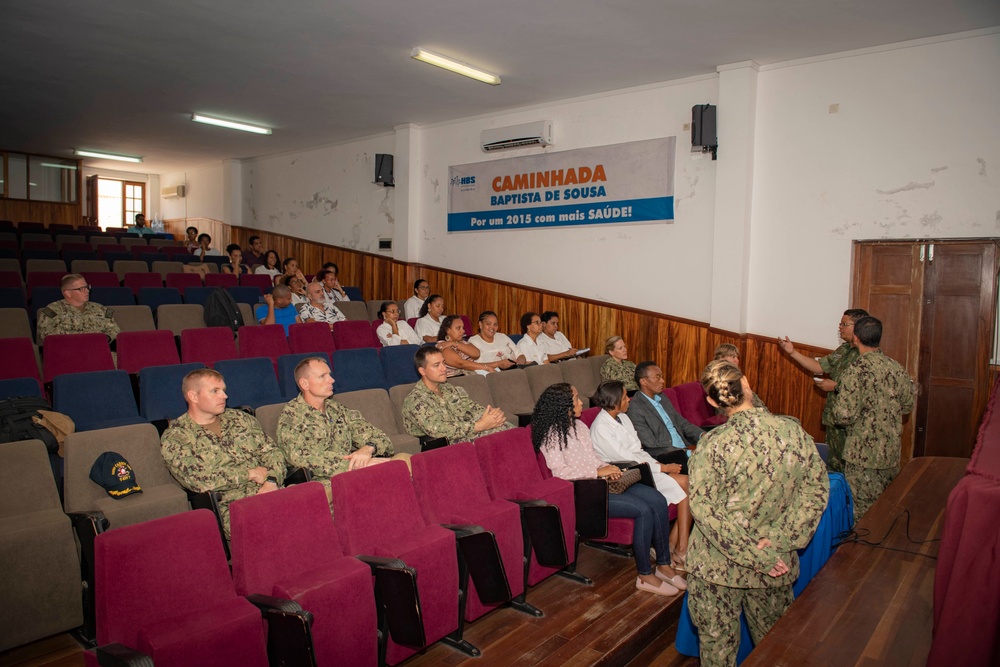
x=704, y=134
x=383, y=170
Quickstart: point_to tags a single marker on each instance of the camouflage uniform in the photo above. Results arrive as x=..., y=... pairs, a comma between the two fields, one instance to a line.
x=451, y=415
x=203, y=461
x=834, y=365
x=756, y=476
x=61, y=318
x=871, y=398
x=319, y=441
x=623, y=371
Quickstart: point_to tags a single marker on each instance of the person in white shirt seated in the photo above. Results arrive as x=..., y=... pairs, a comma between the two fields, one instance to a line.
x=556, y=345
x=459, y=356
x=205, y=248
x=495, y=346
x=421, y=290
x=332, y=290
x=298, y=287
x=270, y=265
x=530, y=346
x=615, y=439
x=318, y=309
x=431, y=314
x=235, y=264
x=394, y=330
x=290, y=268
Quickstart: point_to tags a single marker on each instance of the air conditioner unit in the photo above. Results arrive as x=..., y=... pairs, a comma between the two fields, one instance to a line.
x=173, y=191
x=517, y=136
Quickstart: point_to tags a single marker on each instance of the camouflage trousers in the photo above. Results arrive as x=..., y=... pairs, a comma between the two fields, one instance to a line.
x=867, y=484
x=835, y=439
x=715, y=610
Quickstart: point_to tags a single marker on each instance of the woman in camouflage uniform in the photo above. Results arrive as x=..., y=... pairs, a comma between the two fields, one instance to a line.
x=758, y=489
x=618, y=367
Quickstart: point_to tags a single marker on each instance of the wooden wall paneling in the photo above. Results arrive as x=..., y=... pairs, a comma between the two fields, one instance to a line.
x=48, y=213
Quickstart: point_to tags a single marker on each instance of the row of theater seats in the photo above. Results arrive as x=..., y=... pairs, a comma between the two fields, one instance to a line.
x=509, y=526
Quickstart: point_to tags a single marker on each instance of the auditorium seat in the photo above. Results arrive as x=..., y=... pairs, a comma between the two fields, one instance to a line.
x=40, y=256
x=175, y=318
x=374, y=305
x=136, y=281
x=250, y=382
x=20, y=387
x=98, y=240
x=165, y=268
x=112, y=296
x=310, y=337
x=103, y=278
x=133, y=318
x=13, y=297
x=197, y=295
x=247, y=313
x=263, y=283
x=139, y=349
x=595, y=365
x=107, y=245
x=19, y=360
x=247, y=295
x=397, y=364
x=124, y=267
x=76, y=353
x=589, y=415
x=14, y=323
x=162, y=242
x=131, y=240
x=354, y=294
x=96, y=400
x=357, y=369
x=154, y=297
x=174, y=251
x=693, y=406
x=579, y=373
x=11, y=279
x=266, y=340
x=208, y=345
x=512, y=393
x=182, y=281
x=73, y=257
x=354, y=334
x=542, y=377
x=43, y=296
x=268, y=416
x=286, y=371
x=160, y=397
x=222, y=280
x=38, y=557
x=73, y=242
x=376, y=407
x=37, y=279
x=354, y=311
x=477, y=387
x=398, y=394
x=37, y=244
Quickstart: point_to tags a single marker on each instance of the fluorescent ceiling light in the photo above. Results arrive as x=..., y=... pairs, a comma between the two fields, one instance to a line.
x=106, y=156
x=232, y=125
x=451, y=65
x=51, y=165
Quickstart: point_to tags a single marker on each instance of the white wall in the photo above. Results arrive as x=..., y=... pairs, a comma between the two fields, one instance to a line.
x=326, y=194
x=205, y=194
x=913, y=151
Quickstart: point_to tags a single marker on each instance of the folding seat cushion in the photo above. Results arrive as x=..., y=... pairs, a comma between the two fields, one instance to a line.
x=396, y=529
x=139, y=349
x=512, y=393
x=261, y=282
x=76, y=353
x=250, y=382
x=376, y=407
x=354, y=334
x=397, y=364
x=14, y=323
x=354, y=311
x=182, y=281
x=138, y=281
x=266, y=340
x=38, y=557
x=207, y=345
x=451, y=490
x=101, y=278
x=541, y=378
x=222, y=280
x=96, y=400
x=310, y=337
x=357, y=369
x=579, y=373
x=285, y=544
x=176, y=318
x=692, y=405
x=163, y=587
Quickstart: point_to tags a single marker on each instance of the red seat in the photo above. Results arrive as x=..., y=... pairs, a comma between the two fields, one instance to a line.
x=39, y=245
x=207, y=345
x=310, y=337
x=102, y=278
x=175, y=250
x=11, y=279
x=140, y=349
x=353, y=334
x=221, y=280
x=264, y=340
x=183, y=280
x=136, y=281
x=77, y=247
x=104, y=249
x=691, y=403
x=588, y=416
x=19, y=360
x=43, y=279
x=256, y=280
x=76, y=353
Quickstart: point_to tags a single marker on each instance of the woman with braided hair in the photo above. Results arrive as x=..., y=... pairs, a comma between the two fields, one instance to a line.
x=758, y=490
x=565, y=443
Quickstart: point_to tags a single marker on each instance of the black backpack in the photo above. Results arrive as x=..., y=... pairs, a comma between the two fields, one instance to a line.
x=16, y=424
x=221, y=310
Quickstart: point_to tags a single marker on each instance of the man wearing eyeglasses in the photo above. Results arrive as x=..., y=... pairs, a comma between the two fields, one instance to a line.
x=76, y=313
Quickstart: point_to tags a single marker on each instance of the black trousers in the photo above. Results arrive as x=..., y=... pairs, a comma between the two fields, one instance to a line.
x=675, y=456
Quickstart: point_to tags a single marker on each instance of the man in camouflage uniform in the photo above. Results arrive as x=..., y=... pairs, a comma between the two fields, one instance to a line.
x=758, y=491
x=834, y=365
x=76, y=313
x=210, y=448
x=870, y=400
x=317, y=433
x=437, y=409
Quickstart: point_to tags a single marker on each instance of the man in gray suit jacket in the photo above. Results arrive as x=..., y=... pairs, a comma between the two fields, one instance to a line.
x=666, y=443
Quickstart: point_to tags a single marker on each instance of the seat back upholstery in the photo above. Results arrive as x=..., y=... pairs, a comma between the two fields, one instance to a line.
x=96, y=399
x=354, y=311
x=354, y=334
x=139, y=349
x=132, y=319
x=14, y=323
x=595, y=366
x=180, y=281
x=76, y=353
x=361, y=530
x=447, y=480
x=98, y=277
x=167, y=267
x=507, y=460
x=222, y=280
x=398, y=394
x=511, y=391
x=268, y=416
x=541, y=378
x=374, y=405
x=286, y=371
x=176, y=318
x=125, y=266
x=19, y=360
x=475, y=386
x=250, y=382
x=357, y=369
x=310, y=337
x=266, y=340
x=692, y=405
x=160, y=394
x=397, y=364
x=207, y=345
x=112, y=296
x=580, y=374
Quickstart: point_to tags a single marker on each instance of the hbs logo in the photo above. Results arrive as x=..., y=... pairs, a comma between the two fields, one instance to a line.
x=463, y=180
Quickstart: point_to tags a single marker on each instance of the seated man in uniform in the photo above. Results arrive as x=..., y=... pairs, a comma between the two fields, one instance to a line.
x=278, y=309
x=210, y=448
x=76, y=313
x=663, y=432
x=318, y=433
x=437, y=409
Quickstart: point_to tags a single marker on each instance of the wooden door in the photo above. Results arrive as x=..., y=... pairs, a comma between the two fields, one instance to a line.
x=92, y=200
x=956, y=335
x=888, y=283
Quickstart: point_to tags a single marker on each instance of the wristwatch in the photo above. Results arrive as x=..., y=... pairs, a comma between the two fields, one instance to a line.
x=272, y=479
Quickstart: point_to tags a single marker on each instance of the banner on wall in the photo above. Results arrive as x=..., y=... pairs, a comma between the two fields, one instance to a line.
x=621, y=183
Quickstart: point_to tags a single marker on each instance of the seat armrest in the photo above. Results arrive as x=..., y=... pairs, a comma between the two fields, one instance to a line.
x=591, y=496
x=523, y=420
x=289, y=634
x=269, y=603
x=428, y=443
x=478, y=547
x=297, y=476
x=543, y=525
x=209, y=500
x=397, y=601
x=119, y=655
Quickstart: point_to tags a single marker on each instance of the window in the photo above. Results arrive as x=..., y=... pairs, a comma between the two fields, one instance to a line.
x=118, y=202
x=38, y=178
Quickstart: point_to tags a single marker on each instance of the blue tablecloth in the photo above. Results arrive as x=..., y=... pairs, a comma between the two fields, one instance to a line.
x=837, y=518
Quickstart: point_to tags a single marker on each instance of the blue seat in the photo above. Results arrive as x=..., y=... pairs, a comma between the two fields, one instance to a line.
x=154, y=297
x=250, y=295
x=354, y=294
x=96, y=400
x=286, y=371
x=397, y=364
x=112, y=257
x=160, y=396
x=8, y=253
x=43, y=296
x=113, y=296
x=19, y=387
x=198, y=295
x=69, y=256
x=514, y=338
x=250, y=382
x=12, y=297
x=356, y=369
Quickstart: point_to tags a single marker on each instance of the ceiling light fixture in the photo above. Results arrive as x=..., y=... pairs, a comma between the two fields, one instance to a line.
x=232, y=125
x=51, y=165
x=107, y=156
x=455, y=66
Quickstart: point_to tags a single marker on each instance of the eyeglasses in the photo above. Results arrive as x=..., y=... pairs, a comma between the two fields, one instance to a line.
x=82, y=288
x=844, y=325
x=423, y=287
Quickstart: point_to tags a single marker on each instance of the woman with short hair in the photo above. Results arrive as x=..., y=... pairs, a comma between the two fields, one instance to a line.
x=617, y=366
x=394, y=330
x=459, y=356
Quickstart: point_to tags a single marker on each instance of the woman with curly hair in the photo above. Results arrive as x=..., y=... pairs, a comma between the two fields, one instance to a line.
x=565, y=443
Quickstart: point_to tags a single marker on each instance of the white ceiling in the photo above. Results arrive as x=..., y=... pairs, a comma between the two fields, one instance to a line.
x=124, y=76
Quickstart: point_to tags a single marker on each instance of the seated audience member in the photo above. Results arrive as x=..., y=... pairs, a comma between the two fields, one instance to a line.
x=663, y=432
x=269, y=266
x=235, y=264
x=278, y=309
x=439, y=410
x=459, y=355
x=394, y=330
x=552, y=341
x=615, y=440
x=298, y=287
x=141, y=228
x=254, y=252
x=290, y=269
x=75, y=313
x=758, y=491
x=331, y=283
x=731, y=353
x=494, y=346
x=431, y=316
x=618, y=367
x=318, y=433
x=530, y=346
x=205, y=248
x=318, y=309
x=421, y=290
x=565, y=442
x=191, y=241
x=210, y=448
